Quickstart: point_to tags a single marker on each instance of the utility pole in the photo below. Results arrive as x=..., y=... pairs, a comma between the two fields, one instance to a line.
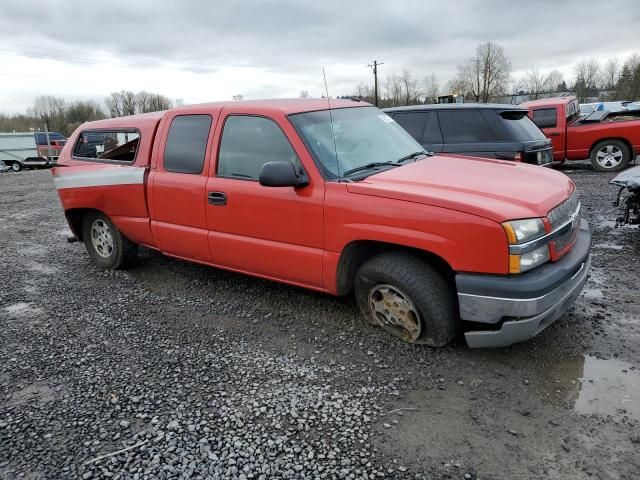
x=375, y=66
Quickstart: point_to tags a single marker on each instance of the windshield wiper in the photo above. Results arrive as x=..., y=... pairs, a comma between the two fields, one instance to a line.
x=413, y=155
x=369, y=166
x=396, y=163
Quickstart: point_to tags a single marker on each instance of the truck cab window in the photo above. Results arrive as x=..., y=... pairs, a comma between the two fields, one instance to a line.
x=545, y=117
x=248, y=142
x=187, y=144
x=112, y=145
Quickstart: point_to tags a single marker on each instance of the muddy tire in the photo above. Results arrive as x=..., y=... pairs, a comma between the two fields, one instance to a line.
x=106, y=245
x=407, y=298
x=610, y=156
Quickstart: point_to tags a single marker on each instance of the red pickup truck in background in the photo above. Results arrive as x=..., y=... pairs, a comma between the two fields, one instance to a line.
x=609, y=140
x=341, y=200
x=51, y=151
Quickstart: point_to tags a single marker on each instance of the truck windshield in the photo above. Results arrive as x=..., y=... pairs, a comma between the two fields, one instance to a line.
x=363, y=136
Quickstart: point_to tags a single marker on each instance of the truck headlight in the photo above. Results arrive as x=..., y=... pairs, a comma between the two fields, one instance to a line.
x=520, y=232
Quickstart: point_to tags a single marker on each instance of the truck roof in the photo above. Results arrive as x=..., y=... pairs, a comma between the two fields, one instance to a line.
x=544, y=102
x=457, y=106
x=286, y=106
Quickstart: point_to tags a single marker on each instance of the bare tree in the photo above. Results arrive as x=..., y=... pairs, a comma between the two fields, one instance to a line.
x=410, y=88
x=487, y=73
x=157, y=103
x=431, y=88
x=392, y=91
x=179, y=102
x=304, y=94
x=50, y=110
x=533, y=83
x=455, y=86
x=610, y=75
x=553, y=81
x=365, y=92
x=121, y=103
x=237, y=98
x=143, y=102
x=587, y=73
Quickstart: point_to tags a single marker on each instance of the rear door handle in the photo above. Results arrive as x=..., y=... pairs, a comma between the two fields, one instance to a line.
x=553, y=134
x=217, y=198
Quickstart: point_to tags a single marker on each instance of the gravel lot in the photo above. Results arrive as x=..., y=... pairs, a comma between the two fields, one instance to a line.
x=191, y=372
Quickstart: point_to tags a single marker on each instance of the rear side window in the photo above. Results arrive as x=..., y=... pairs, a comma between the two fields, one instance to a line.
x=412, y=122
x=464, y=126
x=545, y=117
x=432, y=133
x=111, y=145
x=187, y=144
x=423, y=126
x=248, y=142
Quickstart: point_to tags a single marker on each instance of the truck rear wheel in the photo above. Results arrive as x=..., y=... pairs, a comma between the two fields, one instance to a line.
x=16, y=166
x=106, y=245
x=610, y=156
x=407, y=298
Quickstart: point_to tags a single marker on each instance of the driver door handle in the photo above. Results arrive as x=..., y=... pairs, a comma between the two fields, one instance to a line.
x=217, y=198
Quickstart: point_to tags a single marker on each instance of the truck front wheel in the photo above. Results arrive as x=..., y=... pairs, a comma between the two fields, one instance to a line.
x=610, y=156
x=407, y=298
x=106, y=245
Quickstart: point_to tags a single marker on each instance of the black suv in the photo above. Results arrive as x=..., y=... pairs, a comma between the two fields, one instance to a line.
x=478, y=129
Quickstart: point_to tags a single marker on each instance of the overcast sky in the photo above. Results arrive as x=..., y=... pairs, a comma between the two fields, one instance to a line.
x=210, y=50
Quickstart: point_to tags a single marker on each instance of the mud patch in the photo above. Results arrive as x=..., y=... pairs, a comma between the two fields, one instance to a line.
x=40, y=268
x=32, y=250
x=608, y=246
x=22, y=309
x=36, y=392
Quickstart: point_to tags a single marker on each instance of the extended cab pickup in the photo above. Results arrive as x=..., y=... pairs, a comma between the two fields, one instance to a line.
x=609, y=140
x=336, y=200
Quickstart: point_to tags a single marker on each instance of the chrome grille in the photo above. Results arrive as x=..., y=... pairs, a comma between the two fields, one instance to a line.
x=565, y=240
x=564, y=212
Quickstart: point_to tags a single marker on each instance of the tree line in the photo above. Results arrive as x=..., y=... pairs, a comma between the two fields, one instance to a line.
x=64, y=117
x=487, y=76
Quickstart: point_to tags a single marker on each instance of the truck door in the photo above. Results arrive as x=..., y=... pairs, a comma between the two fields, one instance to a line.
x=547, y=120
x=275, y=232
x=177, y=186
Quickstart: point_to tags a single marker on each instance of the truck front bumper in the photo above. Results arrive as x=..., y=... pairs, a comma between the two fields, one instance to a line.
x=513, y=308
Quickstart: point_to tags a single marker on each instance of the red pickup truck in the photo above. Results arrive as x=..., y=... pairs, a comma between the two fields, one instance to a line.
x=338, y=200
x=609, y=140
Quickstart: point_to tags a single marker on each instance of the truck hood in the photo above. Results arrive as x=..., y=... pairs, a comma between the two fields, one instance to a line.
x=494, y=189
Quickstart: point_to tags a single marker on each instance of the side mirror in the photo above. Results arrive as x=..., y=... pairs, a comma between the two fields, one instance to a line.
x=281, y=174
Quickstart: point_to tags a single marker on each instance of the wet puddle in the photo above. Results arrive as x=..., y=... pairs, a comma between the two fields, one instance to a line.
x=589, y=385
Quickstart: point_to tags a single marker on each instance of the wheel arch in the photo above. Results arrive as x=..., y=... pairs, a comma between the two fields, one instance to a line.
x=357, y=252
x=75, y=216
x=618, y=139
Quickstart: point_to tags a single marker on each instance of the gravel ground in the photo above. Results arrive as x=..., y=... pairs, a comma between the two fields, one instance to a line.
x=174, y=370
